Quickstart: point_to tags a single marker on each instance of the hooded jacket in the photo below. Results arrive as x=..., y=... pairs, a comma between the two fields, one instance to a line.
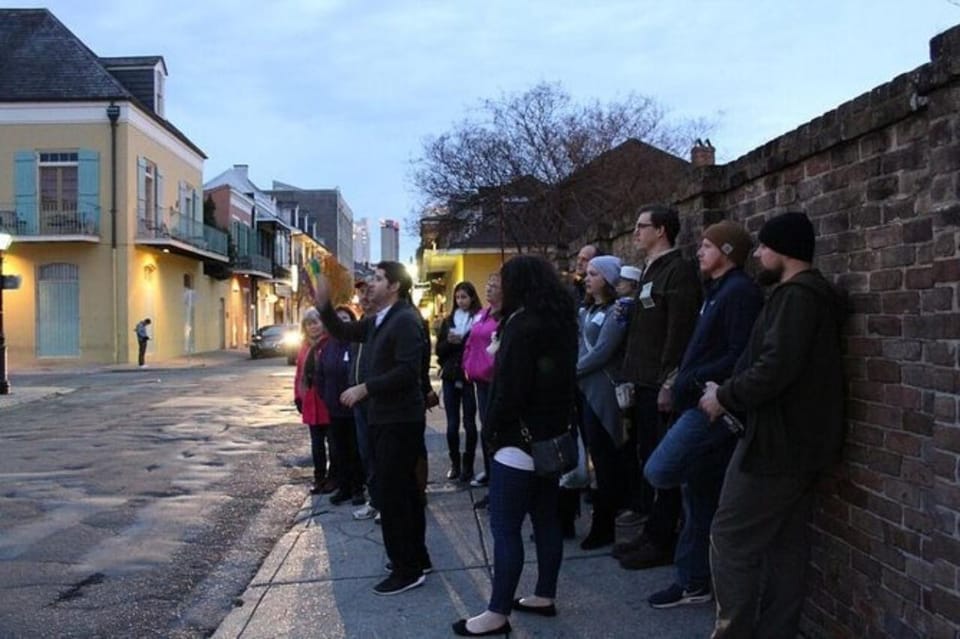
x=789, y=380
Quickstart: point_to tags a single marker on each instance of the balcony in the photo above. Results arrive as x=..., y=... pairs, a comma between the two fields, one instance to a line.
x=64, y=222
x=253, y=265
x=172, y=231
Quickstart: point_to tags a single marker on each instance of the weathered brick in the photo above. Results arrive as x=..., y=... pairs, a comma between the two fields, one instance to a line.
x=900, y=208
x=816, y=165
x=947, y=437
x=945, y=465
x=945, y=408
x=940, y=298
x=947, y=495
x=866, y=434
x=883, y=236
x=864, y=261
x=892, y=256
x=938, y=326
x=918, y=520
x=918, y=230
x=861, y=477
x=941, y=188
x=865, y=564
x=945, y=244
x=945, y=159
x=889, y=280
x=863, y=346
x=947, y=216
x=887, y=325
x=881, y=188
x=940, y=353
x=904, y=159
x=866, y=216
x=853, y=282
x=905, y=492
x=883, y=370
x=898, y=303
x=885, y=462
x=897, y=349
x=947, y=270
x=922, y=277
x=900, y=584
x=887, y=509
x=920, y=423
x=939, y=132
x=943, y=603
x=867, y=522
x=917, y=472
x=907, y=444
x=876, y=142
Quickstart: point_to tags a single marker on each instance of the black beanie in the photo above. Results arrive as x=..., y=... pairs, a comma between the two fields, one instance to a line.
x=790, y=234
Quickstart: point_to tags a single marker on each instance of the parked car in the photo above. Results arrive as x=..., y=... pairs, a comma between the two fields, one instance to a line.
x=276, y=340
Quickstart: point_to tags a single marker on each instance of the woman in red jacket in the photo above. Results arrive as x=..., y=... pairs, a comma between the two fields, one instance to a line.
x=307, y=397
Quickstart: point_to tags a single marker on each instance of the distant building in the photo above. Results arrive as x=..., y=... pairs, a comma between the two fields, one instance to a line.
x=332, y=214
x=389, y=240
x=361, y=241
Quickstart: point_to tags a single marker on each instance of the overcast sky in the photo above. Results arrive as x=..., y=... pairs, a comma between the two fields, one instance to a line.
x=321, y=93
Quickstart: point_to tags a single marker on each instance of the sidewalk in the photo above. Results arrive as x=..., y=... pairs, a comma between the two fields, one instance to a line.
x=317, y=581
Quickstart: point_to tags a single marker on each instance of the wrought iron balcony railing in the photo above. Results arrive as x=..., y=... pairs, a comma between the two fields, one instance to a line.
x=65, y=218
x=171, y=225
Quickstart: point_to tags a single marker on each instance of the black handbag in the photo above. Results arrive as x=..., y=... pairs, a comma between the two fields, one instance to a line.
x=554, y=456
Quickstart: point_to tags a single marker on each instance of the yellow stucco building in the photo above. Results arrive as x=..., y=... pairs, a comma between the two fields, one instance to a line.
x=103, y=197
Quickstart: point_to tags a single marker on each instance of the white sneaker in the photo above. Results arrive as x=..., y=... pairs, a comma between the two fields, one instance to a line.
x=366, y=512
x=143, y=366
x=479, y=480
x=376, y=519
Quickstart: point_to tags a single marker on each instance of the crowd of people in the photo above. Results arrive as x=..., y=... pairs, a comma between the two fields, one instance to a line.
x=705, y=411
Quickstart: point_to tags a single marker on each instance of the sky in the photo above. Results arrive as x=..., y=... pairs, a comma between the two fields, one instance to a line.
x=328, y=93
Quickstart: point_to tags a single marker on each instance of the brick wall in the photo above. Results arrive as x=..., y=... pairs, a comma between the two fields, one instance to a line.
x=879, y=177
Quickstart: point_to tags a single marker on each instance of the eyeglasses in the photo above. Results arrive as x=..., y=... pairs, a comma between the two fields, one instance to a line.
x=643, y=225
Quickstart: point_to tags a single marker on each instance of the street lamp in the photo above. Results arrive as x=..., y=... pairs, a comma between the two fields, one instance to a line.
x=5, y=240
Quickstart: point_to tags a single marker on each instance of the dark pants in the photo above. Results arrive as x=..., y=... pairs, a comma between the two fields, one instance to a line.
x=607, y=464
x=398, y=447
x=694, y=455
x=365, y=450
x=759, y=549
x=142, y=343
x=318, y=450
x=664, y=505
x=453, y=398
x=343, y=436
x=483, y=398
x=513, y=494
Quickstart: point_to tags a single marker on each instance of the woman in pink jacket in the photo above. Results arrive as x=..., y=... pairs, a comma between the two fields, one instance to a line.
x=310, y=405
x=478, y=355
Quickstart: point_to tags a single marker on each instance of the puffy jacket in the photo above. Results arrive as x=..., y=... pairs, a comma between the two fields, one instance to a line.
x=313, y=410
x=477, y=362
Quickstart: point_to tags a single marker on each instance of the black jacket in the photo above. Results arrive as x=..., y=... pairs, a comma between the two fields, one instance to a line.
x=534, y=380
x=449, y=355
x=392, y=359
x=789, y=380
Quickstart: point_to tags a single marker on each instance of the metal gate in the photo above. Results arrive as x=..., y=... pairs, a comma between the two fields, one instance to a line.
x=58, y=311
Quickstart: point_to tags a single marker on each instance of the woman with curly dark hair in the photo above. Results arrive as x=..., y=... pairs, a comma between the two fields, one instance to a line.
x=532, y=393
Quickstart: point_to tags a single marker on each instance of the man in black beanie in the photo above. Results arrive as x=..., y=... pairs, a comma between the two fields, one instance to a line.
x=789, y=383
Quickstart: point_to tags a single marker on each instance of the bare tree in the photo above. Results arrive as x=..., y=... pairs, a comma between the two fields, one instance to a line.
x=518, y=160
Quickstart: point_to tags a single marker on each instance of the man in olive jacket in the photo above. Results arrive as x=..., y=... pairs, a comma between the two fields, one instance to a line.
x=789, y=382
x=393, y=359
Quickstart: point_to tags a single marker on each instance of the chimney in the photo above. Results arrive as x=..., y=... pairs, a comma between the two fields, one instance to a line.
x=703, y=153
x=241, y=169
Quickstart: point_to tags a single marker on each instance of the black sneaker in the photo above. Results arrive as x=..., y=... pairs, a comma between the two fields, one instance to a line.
x=340, y=497
x=394, y=585
x=425, y=566
x=676, y=595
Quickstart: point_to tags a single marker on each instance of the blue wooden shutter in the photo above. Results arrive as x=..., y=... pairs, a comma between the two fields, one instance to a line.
x=88, y=189
x=142, y=190
x=25, y=186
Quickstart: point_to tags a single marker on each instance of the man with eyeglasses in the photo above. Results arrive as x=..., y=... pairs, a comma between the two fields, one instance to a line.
x=660, y=325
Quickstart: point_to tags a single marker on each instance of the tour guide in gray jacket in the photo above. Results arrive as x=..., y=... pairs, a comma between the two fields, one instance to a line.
x=789, y=382
x=393, y=357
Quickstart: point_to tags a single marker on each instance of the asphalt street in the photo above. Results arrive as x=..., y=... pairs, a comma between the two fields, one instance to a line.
x=139, y=503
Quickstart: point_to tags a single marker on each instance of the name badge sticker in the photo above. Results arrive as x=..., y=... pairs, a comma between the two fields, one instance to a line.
x=598, y=318
x=646, y=295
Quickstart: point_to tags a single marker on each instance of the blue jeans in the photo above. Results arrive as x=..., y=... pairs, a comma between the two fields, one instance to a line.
x=453, y=397
x=694, y=455
x=483, y=398
x=513, y=494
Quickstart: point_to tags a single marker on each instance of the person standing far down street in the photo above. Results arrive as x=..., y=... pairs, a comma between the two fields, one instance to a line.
x=394, y=354
x=142, y=339
x=789, y=383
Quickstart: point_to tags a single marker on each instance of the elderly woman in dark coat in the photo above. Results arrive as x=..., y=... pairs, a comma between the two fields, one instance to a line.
x=533, y=386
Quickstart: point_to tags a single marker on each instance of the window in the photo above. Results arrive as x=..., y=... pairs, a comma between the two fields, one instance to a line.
x=58, y=182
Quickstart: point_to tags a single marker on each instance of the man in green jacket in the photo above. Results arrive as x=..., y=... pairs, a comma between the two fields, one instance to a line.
x=789, y=382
